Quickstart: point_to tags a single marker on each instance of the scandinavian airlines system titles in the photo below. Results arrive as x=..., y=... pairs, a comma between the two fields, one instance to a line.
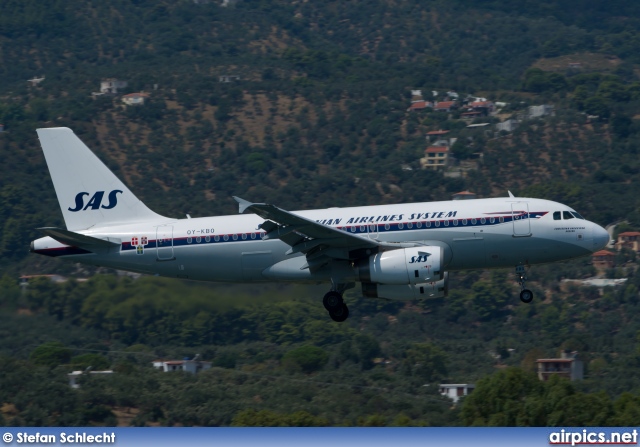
x=390, y=218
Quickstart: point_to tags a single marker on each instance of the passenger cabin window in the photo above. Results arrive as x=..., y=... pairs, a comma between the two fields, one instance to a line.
x=566, y=215
x=557, y=215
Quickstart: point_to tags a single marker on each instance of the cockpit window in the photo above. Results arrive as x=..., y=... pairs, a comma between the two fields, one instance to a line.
x=577, y=215
x=566, y=215
x=556, y=215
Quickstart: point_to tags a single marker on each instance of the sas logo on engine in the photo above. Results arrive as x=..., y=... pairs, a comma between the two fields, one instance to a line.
x=95, y=202
x=418, y=259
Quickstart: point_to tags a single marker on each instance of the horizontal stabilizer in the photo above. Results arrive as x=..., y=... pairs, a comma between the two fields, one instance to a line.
x=79, y=240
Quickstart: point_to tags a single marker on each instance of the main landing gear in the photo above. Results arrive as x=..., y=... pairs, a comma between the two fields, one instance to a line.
x=526, y=295
x=333, y=302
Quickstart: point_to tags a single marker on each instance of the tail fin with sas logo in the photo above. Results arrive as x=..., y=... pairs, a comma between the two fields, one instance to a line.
x=90, y=195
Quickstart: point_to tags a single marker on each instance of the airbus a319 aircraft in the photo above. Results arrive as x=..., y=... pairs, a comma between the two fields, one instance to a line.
x=399, y=252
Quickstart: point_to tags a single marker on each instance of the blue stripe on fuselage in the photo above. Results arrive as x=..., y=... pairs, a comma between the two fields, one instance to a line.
x=353, y=229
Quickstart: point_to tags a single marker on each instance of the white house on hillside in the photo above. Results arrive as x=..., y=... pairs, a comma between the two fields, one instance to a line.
x=111, y=86
x=134, y=99
x=193, y=366
x=455, y=391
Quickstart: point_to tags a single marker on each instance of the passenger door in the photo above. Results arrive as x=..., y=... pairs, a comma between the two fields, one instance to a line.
x=164, y=243
x=521, y=221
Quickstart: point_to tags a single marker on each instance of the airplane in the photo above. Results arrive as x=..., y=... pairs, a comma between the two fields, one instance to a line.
x=398, y=251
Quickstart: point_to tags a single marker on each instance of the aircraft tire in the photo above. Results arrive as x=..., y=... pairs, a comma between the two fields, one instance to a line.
x=332, y=301
x=339, y=314
x=526, y=296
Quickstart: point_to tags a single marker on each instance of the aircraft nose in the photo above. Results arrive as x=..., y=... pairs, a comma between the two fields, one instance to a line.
x=601, y=238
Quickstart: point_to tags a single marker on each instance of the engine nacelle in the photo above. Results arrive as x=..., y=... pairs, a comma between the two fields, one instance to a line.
x=414, y=265
x=436, y=289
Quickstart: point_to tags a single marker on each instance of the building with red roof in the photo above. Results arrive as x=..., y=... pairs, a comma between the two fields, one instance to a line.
x=445, y=106
x=480, y=107
x=603, y=259
x=436, y=157
x=435, y=134
x=134, y=99
x=568, y=365
x=419, y=105
x=629, y=240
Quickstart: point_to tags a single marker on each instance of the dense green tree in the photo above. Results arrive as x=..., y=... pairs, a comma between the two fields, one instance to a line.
x=425, y=362
x=627, y=410
x=613, y=90
x=306, y=358
x=539, y=81
x=94, y=361
x=462, y=151
x=368, y=348
x=621, y=126
x=266, y=418
x=503, y=399
x=597, y=106
x=51, y=354
x=488, y=299
x=580, y=95
x=9, y=292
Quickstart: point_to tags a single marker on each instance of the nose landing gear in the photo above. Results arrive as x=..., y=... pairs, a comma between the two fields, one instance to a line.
x=526, y=295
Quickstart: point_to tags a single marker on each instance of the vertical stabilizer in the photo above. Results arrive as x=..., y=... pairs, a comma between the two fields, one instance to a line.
x=90, y=195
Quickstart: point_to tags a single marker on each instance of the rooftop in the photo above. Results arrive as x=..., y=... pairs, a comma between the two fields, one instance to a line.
x=603, y=253
x=452, y=385
x=481, y=104
x=419, y=105
x=555, y=360
x=444, y=104
x=79, y=373
x=438, y=132
x=597, y=282
x=436, y=149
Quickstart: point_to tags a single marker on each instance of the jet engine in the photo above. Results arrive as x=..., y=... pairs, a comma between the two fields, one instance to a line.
x=436, y=289
x=413, y=265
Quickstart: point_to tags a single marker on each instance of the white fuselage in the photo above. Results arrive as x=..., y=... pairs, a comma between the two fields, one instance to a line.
x=481, y=233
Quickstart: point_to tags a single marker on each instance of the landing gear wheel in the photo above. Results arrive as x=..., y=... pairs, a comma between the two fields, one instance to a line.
x=332, y=301
x=526, y=296
x=340, y=313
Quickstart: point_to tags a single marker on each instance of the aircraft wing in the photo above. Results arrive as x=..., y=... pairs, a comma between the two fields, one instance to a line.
x=321, y=243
